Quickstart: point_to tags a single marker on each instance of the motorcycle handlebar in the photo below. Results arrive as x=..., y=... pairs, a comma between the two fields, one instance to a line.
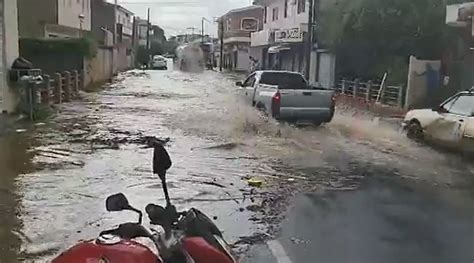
x=129, y=231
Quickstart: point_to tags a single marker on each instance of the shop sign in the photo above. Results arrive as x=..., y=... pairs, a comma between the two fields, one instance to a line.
x=289, y=35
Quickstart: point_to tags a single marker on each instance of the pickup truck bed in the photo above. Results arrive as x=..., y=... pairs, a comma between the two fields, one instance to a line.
x=287, y=96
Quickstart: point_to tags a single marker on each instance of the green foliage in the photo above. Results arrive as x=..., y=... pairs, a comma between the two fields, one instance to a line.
x=370, y=37
x=84, y=46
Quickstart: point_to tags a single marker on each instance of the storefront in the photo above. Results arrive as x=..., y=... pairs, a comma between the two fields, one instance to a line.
x=288, y=51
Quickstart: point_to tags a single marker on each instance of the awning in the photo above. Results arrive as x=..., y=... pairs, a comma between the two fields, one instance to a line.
x=276, y=49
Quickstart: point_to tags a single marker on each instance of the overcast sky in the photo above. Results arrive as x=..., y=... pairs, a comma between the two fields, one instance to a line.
x=174, y=16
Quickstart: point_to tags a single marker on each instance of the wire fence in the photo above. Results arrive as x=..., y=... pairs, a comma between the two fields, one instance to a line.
x=372, y=92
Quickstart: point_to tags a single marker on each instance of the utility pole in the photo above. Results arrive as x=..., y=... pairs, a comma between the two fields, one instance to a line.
x=221, y=37
x=309, y=40
x=192, y=32
x=115, y=21
x=202, y=30
x=148, y=32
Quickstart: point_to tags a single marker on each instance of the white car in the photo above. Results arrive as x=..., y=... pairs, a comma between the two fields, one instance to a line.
x=159, y=62
x=451, y=124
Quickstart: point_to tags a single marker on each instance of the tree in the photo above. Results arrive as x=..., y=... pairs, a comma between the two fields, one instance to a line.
x=370, y=37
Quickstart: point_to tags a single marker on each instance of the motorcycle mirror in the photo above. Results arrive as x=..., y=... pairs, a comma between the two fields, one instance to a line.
x=161, y=161
x=117, y=202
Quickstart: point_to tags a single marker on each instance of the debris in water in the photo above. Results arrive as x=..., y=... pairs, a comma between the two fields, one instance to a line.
x=255, y=182
x=298, y=241
x=226, y=146
x=39, y=124
x=21, y=130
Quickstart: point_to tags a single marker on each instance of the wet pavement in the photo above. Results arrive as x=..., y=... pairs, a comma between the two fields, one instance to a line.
x=354, y=190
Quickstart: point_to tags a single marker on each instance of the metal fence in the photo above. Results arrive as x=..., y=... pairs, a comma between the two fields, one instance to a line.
x=372, y=92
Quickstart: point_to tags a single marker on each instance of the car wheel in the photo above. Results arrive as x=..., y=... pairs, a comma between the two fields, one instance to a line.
x=414, y=131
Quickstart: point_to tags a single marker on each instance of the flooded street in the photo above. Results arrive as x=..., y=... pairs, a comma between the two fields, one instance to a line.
x=357, y=180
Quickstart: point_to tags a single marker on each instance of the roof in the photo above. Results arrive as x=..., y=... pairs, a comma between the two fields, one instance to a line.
x=118, y=7
x=243, y=9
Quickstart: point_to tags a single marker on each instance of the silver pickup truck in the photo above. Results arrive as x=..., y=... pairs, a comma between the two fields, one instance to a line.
x=287, y=96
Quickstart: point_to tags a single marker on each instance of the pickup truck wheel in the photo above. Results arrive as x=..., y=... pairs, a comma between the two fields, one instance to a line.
x=414, y=131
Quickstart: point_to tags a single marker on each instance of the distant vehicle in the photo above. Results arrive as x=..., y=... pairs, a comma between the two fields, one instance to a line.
x=451, y=124
x=190, y=57
x=159, y=62
x=287, y=96
x=168, y=55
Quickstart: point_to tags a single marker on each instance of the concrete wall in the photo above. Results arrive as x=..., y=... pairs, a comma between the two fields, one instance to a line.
x=10, y=48
x=32, y=17
x=99, y=68
x=69, y=11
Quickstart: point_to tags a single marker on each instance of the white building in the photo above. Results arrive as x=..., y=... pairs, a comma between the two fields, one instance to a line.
x=282, y=42
x=124, y=24
x=54, y=18
x=75, y=14
x=8, y=52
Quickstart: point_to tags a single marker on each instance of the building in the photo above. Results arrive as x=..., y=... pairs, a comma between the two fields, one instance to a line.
x=236, y=27
x=108, y=18
x=54, y=18
x=142, y=31
x=280, y=45
x=282, y=42
x=8, y=52
x=124, y=22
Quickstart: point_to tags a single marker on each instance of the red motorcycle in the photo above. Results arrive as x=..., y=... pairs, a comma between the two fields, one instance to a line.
x=186, y=237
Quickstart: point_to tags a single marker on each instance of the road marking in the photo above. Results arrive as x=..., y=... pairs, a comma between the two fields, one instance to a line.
x=278, y=251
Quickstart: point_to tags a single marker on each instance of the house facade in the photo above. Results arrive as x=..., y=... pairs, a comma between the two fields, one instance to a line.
x=236, y=27
x=8, y=52
x=54, y=18
x=282, y=44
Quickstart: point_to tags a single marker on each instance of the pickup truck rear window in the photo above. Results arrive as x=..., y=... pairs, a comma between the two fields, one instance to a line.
x=284, y=80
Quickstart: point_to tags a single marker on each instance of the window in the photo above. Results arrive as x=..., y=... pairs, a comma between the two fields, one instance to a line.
x=301, y=6
x=265, y=14
x=286, y=9
x=249, y=81
x=275, y=14
x=463, y=105
x=284, y=80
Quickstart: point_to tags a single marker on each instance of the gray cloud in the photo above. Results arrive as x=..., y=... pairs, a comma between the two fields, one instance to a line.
x=177, y=15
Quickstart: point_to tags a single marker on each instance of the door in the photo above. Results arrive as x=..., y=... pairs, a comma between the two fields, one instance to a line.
x=326, y=71
x=249, y=88
x=450, y=127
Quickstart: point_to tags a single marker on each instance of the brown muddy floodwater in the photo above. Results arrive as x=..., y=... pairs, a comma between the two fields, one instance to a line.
x=55, y=178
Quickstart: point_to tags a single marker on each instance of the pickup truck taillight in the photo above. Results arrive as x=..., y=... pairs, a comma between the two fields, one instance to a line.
x=276, y=100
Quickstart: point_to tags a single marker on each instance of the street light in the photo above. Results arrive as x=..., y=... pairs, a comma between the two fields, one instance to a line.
x=81, y=21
